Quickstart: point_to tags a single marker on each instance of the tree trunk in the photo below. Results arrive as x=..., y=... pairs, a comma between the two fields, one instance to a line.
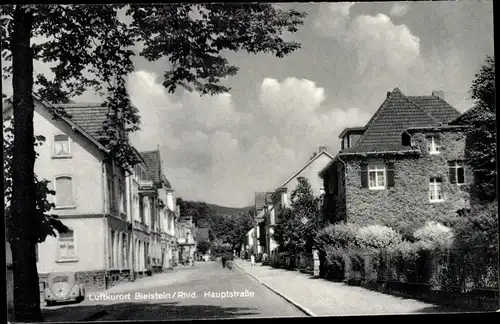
x=24, y=219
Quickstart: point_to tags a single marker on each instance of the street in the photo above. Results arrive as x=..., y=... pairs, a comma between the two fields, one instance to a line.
x=201, y=292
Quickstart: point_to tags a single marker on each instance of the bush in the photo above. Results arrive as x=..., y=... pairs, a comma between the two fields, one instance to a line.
x=377, y=237
x=434, y=236
x=339, y=236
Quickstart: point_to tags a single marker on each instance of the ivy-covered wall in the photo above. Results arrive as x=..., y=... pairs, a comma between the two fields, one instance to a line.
x=407, y=201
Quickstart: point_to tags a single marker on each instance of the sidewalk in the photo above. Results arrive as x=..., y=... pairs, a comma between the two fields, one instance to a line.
x=319, y=297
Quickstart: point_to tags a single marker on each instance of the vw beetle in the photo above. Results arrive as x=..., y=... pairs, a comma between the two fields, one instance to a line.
x=63, y=287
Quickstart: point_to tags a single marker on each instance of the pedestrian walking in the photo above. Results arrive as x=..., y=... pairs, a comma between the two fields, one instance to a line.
x=223, y=258
x=252, y=259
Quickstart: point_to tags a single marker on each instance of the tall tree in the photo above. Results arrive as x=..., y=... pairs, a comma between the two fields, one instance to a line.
x=291, y=233
x=91, y=49
x=481, y=133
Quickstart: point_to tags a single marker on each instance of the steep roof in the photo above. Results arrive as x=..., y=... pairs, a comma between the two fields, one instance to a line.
x=152, y=159
x=436, y=107
x=398, y=113
x=202, y=234
x=89, y=116
x=71, y=121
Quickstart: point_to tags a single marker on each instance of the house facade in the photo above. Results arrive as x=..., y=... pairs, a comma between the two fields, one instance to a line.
x=169, y=218
x=112, y=212
x=186, y=239
x=405, y=166
x=281, y=196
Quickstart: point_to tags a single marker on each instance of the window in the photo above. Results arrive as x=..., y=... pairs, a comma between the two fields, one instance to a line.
x=123, y=197
x=435, y=190
x=61, y=145
x=456, y=172
x=67, y=246
x=433, y=144
x=376, y=177
x=64, y=192
x=111, y=195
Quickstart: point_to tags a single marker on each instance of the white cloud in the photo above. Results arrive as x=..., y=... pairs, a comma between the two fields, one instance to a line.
x=399, y=9
x=333, y=18
x=380, y=46
x=214, y=153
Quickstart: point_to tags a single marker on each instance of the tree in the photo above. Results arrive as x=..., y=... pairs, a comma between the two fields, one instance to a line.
x=481, y=133
x=290, y=233
x=91, y=48
x=203, y=246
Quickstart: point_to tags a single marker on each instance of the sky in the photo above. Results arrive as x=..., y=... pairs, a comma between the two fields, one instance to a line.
x=222, y=149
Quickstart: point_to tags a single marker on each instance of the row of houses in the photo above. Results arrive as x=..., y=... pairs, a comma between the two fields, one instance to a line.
x=124, y=222
x=406, y=164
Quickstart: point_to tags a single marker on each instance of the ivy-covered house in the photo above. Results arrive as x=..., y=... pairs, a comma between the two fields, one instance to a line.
x=405, y=165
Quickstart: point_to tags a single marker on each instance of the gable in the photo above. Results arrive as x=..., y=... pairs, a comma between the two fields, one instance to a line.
x=45, y=124
x=322, y=159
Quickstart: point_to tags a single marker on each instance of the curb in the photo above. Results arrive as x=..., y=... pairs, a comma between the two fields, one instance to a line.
x=288, y=299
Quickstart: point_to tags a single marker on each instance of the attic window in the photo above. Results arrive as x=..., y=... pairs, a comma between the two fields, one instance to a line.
x=407, y=140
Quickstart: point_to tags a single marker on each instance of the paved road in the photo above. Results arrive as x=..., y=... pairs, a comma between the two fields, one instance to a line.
x=201, y=292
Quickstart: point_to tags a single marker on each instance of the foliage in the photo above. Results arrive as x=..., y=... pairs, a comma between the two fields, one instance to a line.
x=434, y=235
x=340, y=235
x=481, y=133
x=377, y=237
x=203, y=246
x=290, y=233
x=479, y=228
x=192, y=37
x=47, y=223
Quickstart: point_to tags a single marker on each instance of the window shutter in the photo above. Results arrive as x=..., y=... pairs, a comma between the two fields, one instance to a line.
x=390, y=174
x=364, y=175
x=452, y=173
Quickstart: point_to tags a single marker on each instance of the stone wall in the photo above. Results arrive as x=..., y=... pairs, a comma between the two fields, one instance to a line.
x=408, y=200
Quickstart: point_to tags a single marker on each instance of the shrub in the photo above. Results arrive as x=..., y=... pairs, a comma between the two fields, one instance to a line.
x=434, y=236
x=377, y=237
x=339, y=236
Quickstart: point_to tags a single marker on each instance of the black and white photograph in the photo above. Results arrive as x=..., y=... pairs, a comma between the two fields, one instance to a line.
x=206, y=161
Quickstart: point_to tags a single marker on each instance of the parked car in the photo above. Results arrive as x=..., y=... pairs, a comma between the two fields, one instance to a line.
x=62, y=287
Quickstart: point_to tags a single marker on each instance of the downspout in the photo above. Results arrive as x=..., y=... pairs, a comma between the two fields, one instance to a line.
x=345, y=180
x=130, y=212
x=104, y=219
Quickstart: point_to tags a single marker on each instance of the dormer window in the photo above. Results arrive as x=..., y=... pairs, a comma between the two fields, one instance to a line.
x=407, y=140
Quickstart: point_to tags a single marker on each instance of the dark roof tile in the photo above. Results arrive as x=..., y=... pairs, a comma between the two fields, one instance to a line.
x=436, y=107
x=89, y=117
x=152, y=159
x=398, y=113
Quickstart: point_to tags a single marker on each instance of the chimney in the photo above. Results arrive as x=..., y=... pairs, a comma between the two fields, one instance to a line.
x=438, y=93
x=388, y=94
x=314, y=155
x=322, y=148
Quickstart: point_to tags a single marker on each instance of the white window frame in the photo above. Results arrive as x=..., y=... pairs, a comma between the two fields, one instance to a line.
x=63, y=258
x=433, y=188
x=72, y=191
x=458, y=165
x=54, y=155
x=435, y=144
x=376, y=168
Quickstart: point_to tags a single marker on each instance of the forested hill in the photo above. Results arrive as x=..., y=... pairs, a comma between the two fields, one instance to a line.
x=226, y=224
